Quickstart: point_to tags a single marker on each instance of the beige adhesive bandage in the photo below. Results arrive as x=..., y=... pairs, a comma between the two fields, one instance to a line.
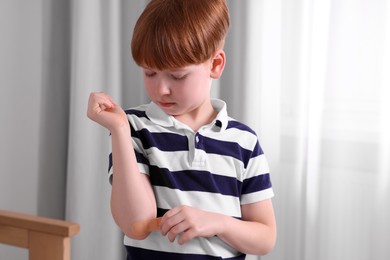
x=153, y=224
x=143, y=227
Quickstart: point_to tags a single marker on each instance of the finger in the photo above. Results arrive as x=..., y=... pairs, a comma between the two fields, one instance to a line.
x=186, y=236
x=103, y=106
x=105, y=102
x=153, y=224
x=177, y=230
x=112, y=101
x=97, y=103
x=169, y=220
x=101, y=97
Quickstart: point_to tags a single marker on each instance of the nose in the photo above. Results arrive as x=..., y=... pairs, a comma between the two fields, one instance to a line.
x=162, y=87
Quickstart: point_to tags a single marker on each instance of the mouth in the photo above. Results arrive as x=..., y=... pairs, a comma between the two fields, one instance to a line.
x=166, y=104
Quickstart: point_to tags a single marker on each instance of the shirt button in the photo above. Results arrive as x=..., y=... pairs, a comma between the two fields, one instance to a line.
x=197, y=139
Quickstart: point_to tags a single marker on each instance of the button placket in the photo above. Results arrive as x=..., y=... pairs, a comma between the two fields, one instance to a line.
x=191, y=146
x=199, y=155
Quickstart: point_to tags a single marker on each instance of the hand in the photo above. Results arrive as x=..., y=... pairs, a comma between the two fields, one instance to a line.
x=104, y=111
x=188, y=223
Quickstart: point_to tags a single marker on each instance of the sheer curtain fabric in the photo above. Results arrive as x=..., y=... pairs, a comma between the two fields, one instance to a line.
x=310, y=76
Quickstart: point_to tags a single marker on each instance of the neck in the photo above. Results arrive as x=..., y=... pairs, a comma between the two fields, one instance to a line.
x=199, y=117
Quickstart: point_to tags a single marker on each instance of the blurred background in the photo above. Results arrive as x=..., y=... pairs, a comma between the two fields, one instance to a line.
x=312, y=77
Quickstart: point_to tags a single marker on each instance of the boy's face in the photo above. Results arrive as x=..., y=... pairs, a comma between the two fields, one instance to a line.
x=180, y=91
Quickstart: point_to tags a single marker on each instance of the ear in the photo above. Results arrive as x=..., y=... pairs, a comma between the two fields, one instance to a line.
x=217, y=64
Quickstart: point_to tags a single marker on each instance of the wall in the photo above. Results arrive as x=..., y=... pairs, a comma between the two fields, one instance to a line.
x=20, y=81
x=33, y=128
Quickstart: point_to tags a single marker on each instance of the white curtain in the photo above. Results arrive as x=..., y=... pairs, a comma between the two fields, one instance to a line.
x=310, y=76
x=100, y=62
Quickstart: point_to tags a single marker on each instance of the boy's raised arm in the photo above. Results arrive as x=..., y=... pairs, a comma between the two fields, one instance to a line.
x=132, y=197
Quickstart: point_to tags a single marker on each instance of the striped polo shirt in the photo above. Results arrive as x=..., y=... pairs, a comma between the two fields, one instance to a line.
x=217, y=169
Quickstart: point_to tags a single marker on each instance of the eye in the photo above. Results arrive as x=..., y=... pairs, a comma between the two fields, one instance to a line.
x=149, y=74
x=178, y=77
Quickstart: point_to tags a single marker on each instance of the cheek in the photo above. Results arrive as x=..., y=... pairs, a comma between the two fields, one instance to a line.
x=195, y=93
x=148, y=87
x=201, y=87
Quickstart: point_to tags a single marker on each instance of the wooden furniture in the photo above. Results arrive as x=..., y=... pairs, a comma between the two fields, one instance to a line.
x=45, y=238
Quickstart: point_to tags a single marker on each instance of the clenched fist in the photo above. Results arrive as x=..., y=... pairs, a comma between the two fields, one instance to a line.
x=104, y=111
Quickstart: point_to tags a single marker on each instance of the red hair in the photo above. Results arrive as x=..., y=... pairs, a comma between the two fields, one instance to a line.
x=175, y=33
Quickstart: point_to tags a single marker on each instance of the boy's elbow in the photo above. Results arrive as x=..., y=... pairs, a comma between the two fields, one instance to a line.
x=132, y=227
x=129, y=228
x=138, y=230
x=133, y=234
x=268, y=245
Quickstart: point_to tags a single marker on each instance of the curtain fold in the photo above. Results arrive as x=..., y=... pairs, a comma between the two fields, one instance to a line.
x=314, y=26
x=94, y=67
x=332, y=117
x=384, y=179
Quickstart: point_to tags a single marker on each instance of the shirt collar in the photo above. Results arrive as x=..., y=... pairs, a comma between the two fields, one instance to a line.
x=159, y=117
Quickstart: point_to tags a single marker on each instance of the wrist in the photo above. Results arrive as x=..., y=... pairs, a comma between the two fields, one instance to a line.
x=122, y=130
x=222, y=224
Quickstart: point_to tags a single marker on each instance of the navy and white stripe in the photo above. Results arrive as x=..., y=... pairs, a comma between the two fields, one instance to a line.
x=218, y=168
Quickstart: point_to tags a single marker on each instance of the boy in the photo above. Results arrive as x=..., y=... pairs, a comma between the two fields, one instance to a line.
x=181, y=158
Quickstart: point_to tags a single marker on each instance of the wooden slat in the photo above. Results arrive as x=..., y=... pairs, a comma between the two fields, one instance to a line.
x=45, y=238
x=13, y=236
x=47, y=246
x=36, y=223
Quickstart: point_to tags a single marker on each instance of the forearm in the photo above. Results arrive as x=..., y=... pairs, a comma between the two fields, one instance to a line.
x=132, y=198
x=255, y=234
x=247, y=236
